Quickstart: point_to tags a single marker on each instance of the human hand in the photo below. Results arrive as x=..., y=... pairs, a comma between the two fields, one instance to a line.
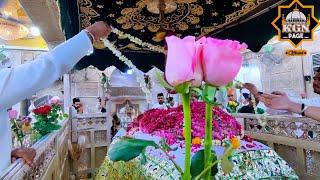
x=252, y=88
x=99, y=30
x=27, y=154
x=276, y=100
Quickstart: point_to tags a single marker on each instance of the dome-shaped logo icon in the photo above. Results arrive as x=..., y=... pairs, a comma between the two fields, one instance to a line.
x=295, y=23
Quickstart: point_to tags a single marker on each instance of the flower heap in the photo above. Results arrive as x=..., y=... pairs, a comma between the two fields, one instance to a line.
x=48, y=116
x=168, y=124
x=19, y=126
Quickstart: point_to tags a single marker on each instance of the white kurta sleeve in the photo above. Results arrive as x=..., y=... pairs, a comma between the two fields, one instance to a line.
x=20, y=82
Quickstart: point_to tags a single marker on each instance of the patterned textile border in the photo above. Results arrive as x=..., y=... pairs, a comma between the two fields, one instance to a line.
x=253, y=165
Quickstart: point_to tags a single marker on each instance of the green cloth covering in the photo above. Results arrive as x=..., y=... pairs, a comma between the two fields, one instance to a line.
x=259, y=164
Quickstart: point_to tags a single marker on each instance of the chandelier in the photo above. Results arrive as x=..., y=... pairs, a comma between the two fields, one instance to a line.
x=9, y=30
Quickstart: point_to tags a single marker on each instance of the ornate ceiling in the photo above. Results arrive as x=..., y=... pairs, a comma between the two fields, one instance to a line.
x=141, y=18
x=18, y=35
x=183, y=17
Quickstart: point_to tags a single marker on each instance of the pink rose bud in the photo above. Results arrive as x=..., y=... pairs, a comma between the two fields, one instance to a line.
x=13, y=114
x=221, y=60
x=55, y=100
x=182, y=64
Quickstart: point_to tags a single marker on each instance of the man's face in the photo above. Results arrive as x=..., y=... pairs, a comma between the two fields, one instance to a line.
x=316, y=83
x=77, y=104
x=231, y=97
x=160, y=99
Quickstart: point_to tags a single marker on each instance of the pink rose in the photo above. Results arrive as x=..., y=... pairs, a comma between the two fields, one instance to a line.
x=221, y=60
x=182, y=63
x=55, y=100
x=13, y=114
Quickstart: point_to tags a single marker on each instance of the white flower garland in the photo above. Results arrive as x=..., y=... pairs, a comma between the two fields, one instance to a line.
x=259, y=117
x=138, y=41
x=124, y=59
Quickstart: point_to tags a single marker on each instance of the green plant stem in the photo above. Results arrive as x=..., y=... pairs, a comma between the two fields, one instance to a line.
x=187, y=133
x=18, y=132
x=173, y=161
x=208, y=140
x=206, y=169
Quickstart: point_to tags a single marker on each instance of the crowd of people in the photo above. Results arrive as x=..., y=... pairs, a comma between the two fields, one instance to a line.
x=78, y=108
x=164, y=103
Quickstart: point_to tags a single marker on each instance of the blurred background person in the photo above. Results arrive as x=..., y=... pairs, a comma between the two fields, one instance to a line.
x=232, y=102
x=77, y=106
x=101, y=105
x=171, y=103
x=115, y=125
x=250, y=107
x=161, y=102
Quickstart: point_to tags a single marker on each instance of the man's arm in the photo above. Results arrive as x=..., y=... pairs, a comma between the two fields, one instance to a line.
x=20, y=82
x=311, y=112
x=279, y=100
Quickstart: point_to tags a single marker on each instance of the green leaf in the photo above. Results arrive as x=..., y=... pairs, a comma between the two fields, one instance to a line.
x=143, y=158
x=197, y=90
x=163, y=82
x=128, y=148
x=212, y=102
x=165, y=146
x=197, y=164
x=210, y=91
x=229, y=85
x=183, y=88
x=209, y=94
x=223, y=89
x=65, y=115
x=226, y=165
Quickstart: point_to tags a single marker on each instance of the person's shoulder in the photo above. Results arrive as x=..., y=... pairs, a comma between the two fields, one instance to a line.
x=155, y=106
x=242, y=109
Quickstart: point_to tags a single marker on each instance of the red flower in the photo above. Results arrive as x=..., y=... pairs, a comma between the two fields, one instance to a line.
x=168, y=124
x=42, y=110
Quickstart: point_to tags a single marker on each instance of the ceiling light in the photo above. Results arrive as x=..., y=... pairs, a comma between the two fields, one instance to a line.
x=129, y=71
x=35, y=31
x=9, y=30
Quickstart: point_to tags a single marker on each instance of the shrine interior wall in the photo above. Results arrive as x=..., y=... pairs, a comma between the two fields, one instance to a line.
x=286, y=73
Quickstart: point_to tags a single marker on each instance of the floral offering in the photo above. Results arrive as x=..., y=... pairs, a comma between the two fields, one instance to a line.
x=48, y=116
x=168, y=123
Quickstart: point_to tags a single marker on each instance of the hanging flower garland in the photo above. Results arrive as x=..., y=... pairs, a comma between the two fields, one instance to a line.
x=260, y=118
x=138, y=41
x=124, y=59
